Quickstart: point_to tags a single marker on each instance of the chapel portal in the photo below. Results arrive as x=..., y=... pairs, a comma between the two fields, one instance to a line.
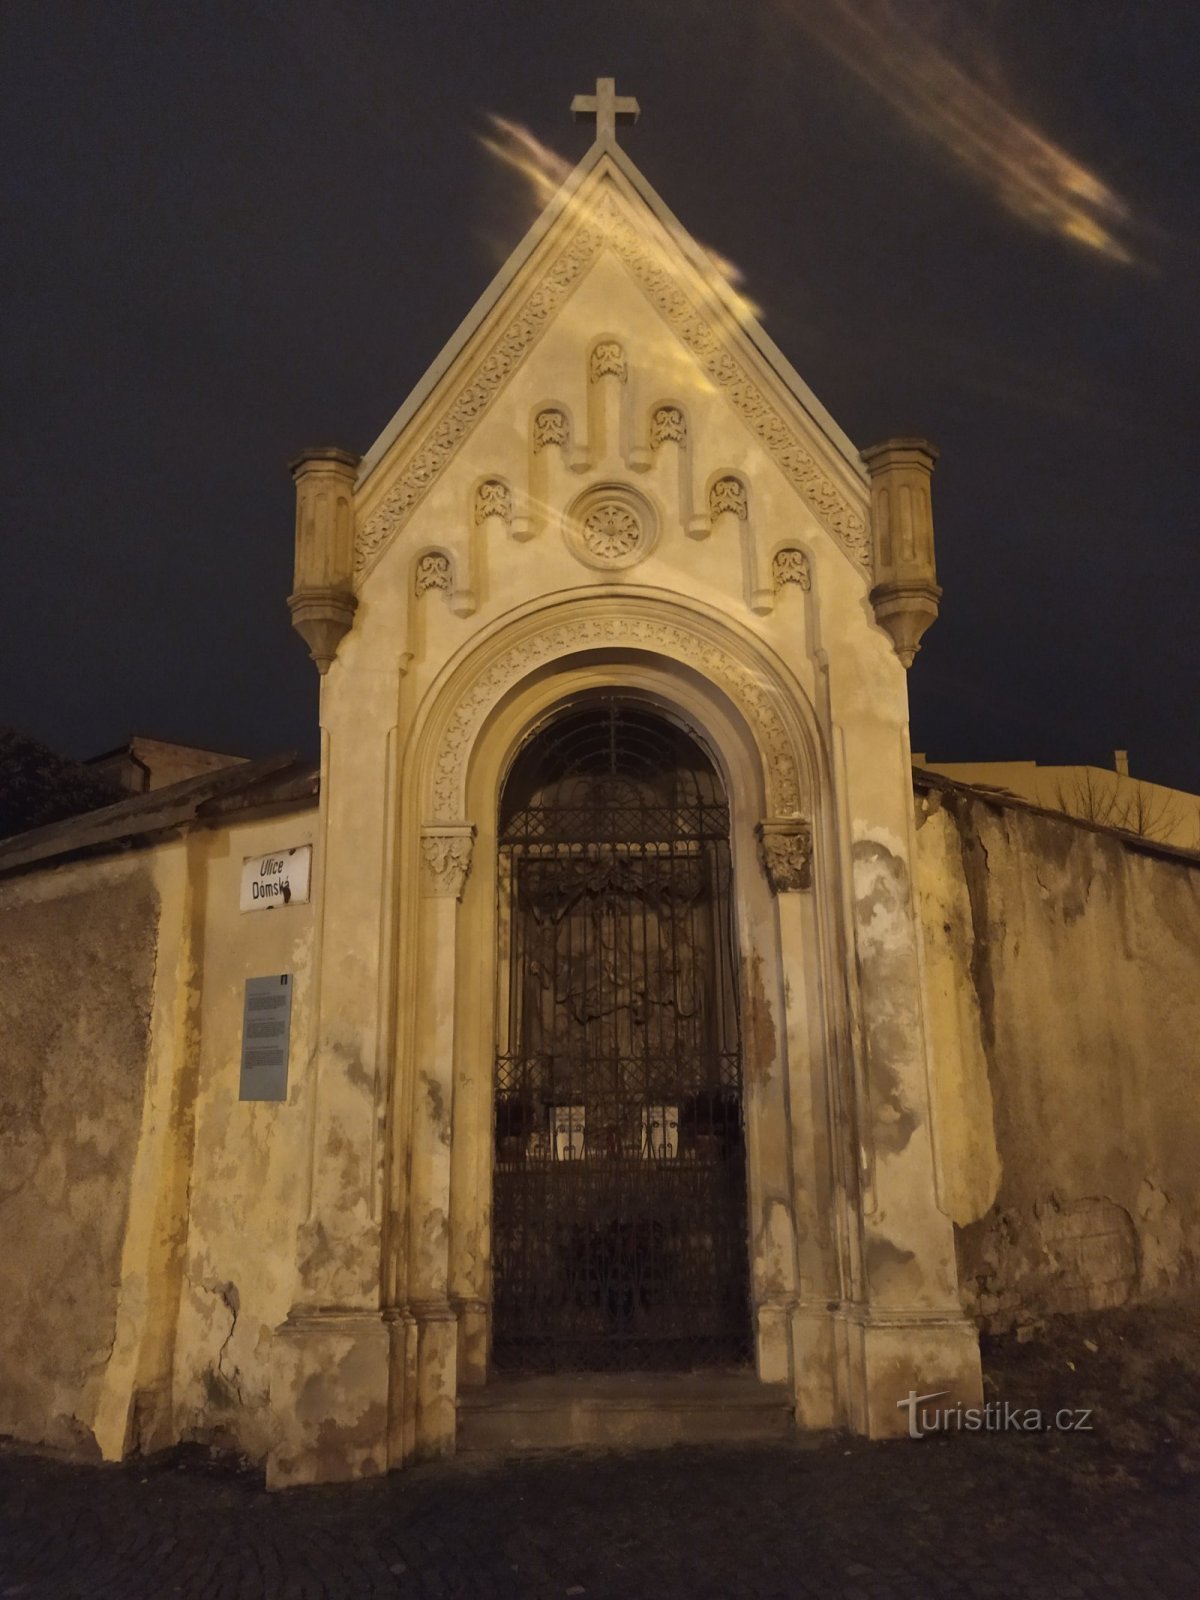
x=619, y=1202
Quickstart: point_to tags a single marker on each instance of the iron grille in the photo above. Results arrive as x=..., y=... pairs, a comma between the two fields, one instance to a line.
x=619, y=1205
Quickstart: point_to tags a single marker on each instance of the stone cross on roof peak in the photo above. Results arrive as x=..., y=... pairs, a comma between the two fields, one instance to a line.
x=607, y=106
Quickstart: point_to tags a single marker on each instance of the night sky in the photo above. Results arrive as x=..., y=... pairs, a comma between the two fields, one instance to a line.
x=234, y=230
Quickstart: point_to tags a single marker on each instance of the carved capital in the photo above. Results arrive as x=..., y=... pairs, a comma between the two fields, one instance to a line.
x=446, y=858
x=785, y=849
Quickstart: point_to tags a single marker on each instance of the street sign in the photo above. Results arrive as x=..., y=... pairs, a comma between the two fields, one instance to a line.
x=281, y=878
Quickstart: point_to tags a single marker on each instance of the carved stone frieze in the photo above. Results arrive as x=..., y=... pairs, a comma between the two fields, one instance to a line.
x=608, y=224
x=493, y=498
x=791, y=566
x=551, y=427
x=728, y=494
x=446, y=859
x=741, y=681
x=668, y=425
x=608, y=361
x=785, y=850
x=433, y=572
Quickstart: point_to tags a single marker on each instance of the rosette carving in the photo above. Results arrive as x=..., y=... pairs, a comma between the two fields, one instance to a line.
x=611, y=525
x=611, y=531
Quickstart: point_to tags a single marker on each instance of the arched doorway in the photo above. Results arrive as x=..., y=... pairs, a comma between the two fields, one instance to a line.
x=619, y=1182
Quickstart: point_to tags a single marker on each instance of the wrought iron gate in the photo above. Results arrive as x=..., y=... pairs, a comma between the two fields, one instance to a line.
x=619, y=1202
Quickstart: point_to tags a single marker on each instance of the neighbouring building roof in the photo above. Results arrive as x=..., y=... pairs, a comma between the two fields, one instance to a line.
x=142, y=763
x=275, y=783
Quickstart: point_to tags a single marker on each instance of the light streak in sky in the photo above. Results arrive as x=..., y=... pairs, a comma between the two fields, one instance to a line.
x=902, y=50
x=545, y=171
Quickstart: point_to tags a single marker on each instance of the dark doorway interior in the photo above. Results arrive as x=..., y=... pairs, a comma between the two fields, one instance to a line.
x=619, y=1205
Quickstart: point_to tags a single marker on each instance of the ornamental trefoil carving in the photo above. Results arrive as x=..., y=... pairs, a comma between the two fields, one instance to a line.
x=608, y=361
x=791, y=566
x=493, y=498
x=668, y=426
x=433, y=572
x=550, y=427
x=785, y=850
x=728, y=494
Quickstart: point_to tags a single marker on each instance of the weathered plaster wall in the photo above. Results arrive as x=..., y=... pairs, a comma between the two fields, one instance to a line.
x=1062, y=968
x=148, y=1217
x=77, y=974
x=250, y=1160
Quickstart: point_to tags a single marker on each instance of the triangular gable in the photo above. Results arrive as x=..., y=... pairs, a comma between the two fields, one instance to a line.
x=606, y=203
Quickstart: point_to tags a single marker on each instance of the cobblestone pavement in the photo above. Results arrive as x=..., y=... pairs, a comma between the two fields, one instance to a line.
x=968, y=1516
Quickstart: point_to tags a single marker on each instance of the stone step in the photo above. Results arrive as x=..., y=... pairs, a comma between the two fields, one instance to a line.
x=622, y=1410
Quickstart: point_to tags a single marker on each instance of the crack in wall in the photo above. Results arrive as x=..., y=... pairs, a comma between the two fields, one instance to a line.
x=228, y=1294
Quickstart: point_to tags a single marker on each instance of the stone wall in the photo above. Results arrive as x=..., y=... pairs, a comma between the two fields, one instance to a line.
x=77, y=965
x=249, y=1161
x=1062, y=967
x=148, y=1214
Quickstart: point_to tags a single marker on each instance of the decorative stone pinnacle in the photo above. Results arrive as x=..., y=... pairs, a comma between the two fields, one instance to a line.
x=323, y=602
x=608, y=108
x=906, y=593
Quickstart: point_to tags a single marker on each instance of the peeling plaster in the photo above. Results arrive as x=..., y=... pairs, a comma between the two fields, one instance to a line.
x=891, y=1270
x=760, y=1043
x=76, y=988
x=1082, y=997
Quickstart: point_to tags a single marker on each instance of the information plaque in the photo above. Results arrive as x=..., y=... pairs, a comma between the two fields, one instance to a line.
x=266, y=1026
